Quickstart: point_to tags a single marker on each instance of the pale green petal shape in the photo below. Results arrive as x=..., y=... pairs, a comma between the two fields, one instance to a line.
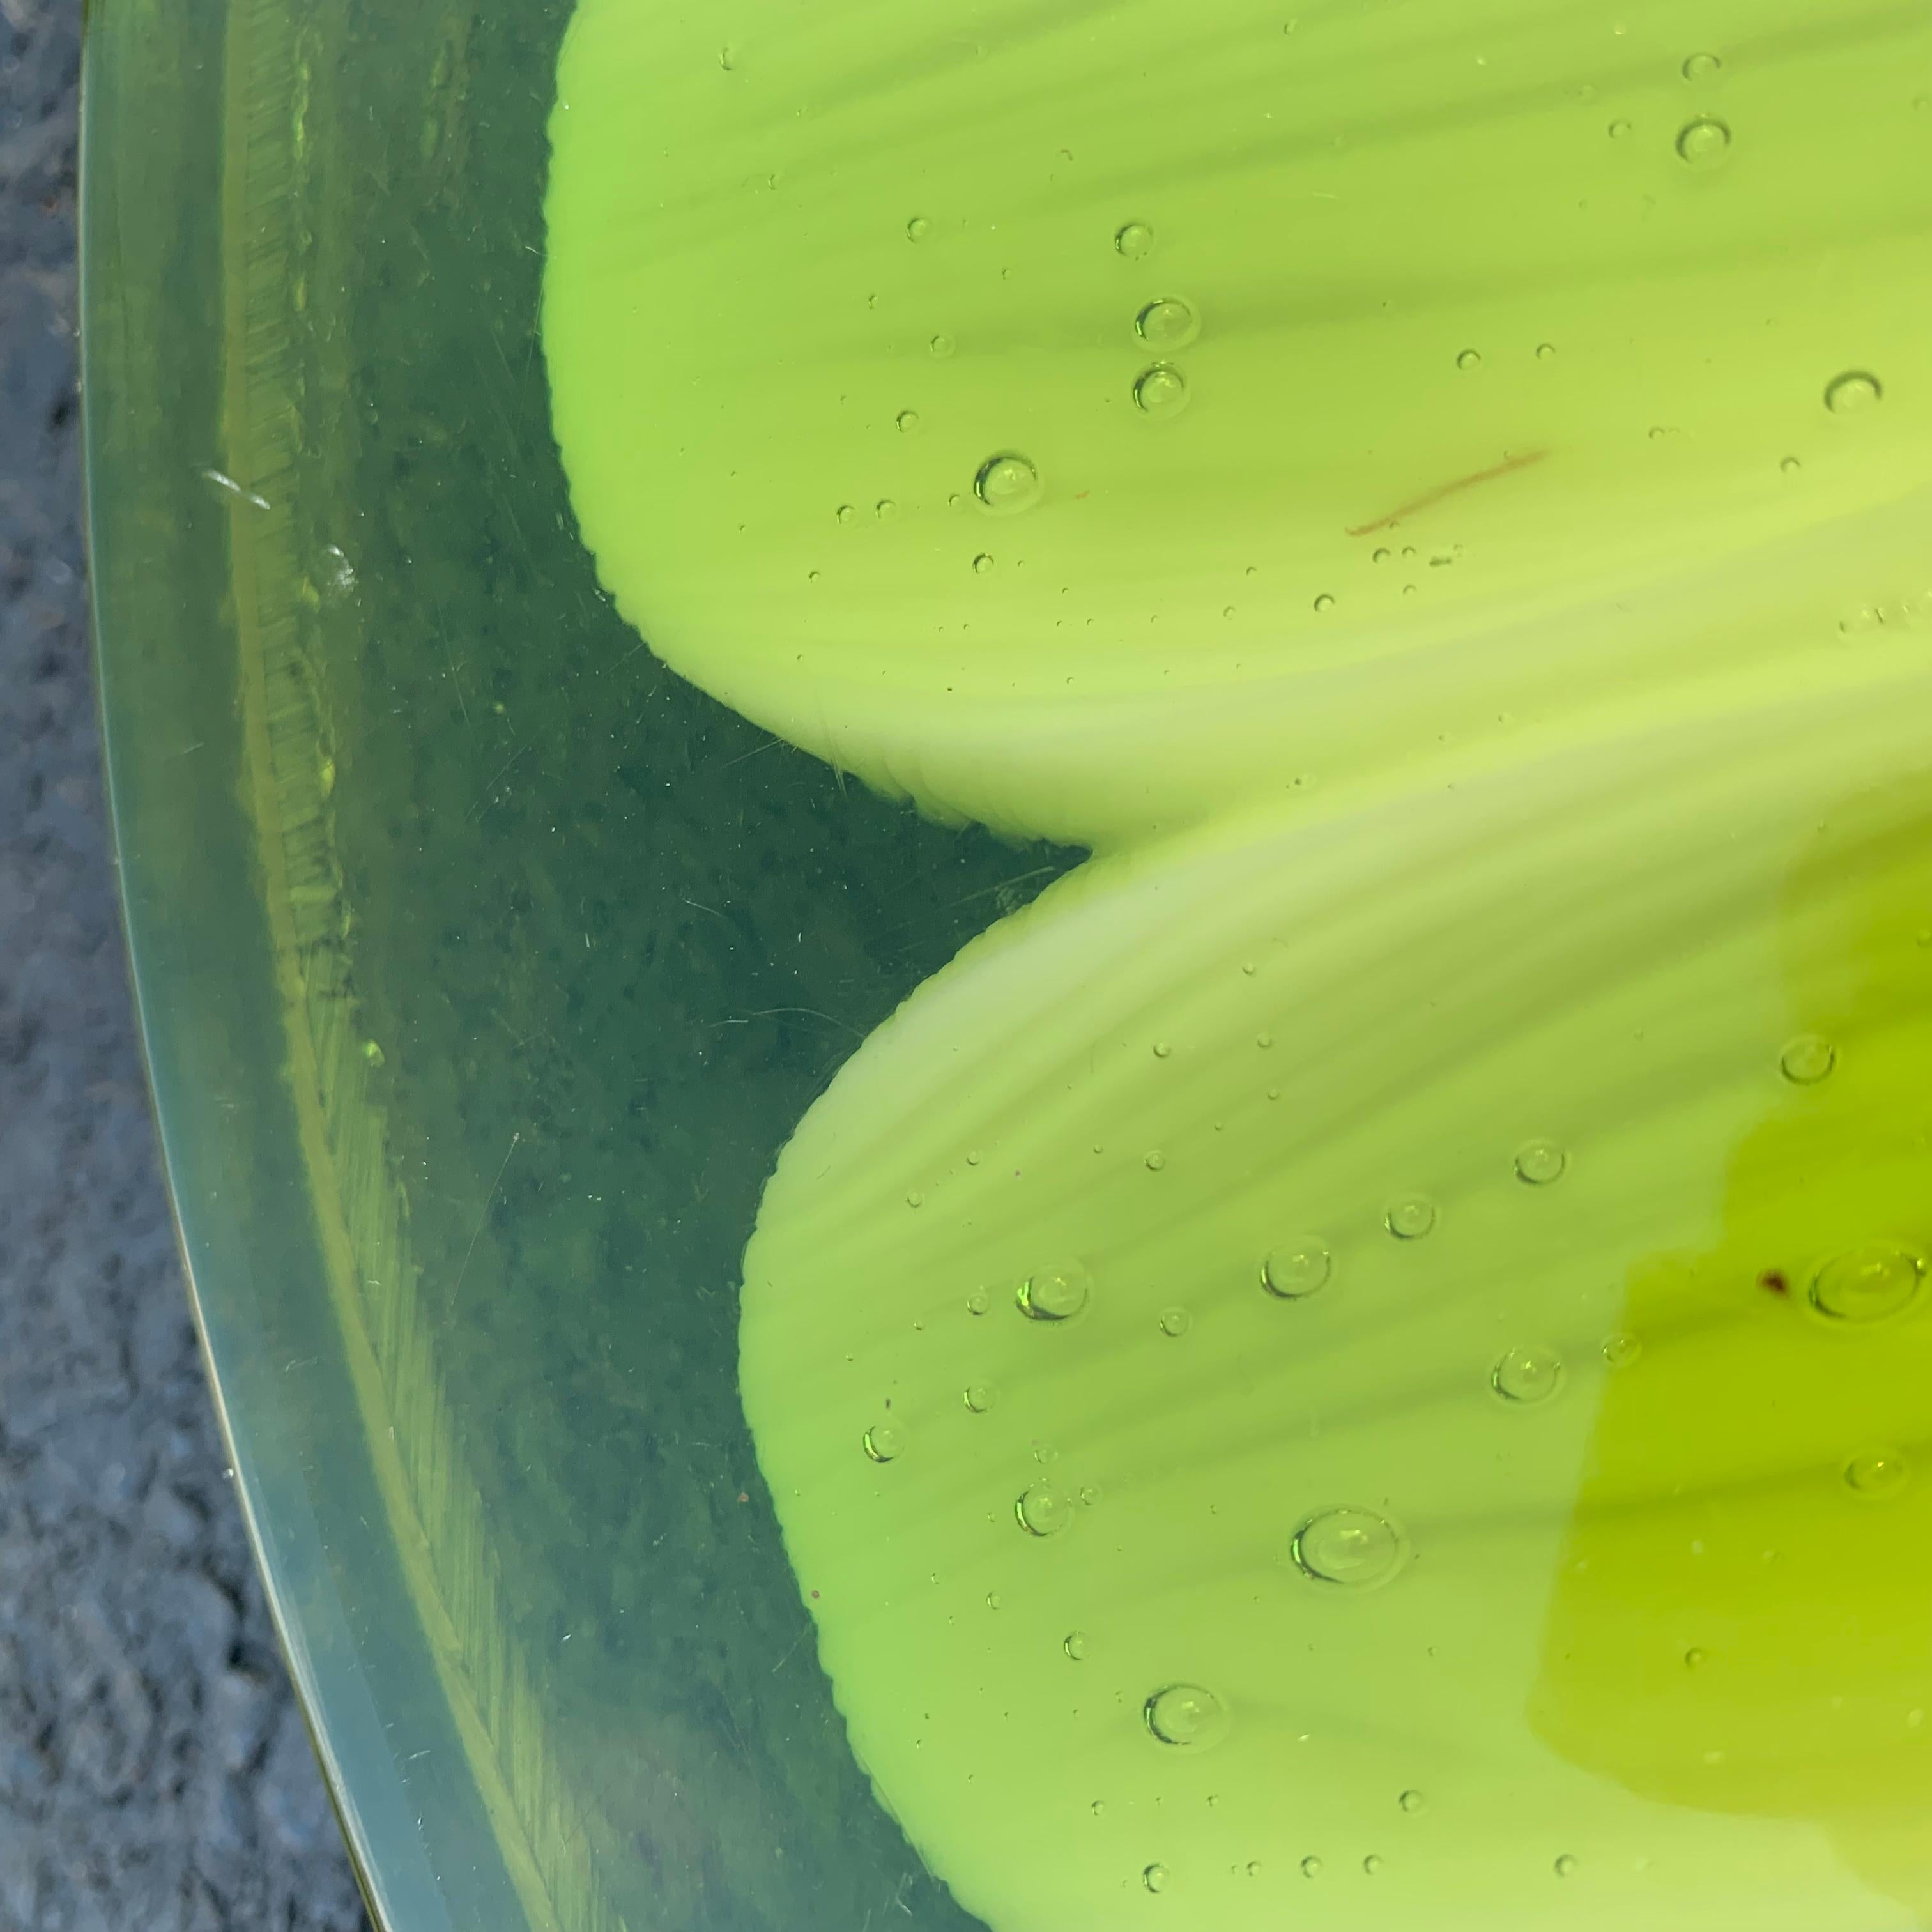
x=738, y=322
x=1525, y=1016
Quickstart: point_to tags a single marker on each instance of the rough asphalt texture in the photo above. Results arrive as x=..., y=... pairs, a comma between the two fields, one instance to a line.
x=154, y=1774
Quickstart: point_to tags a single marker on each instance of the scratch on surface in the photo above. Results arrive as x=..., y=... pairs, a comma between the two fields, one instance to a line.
x=224, y=482
x=1429, y=497
x=483, y=1215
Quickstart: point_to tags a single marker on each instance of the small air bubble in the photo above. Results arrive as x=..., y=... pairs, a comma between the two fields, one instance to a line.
x=1701, y=66
x=1074, y=1644
x=1545, y=350
x=1324, y=603
x=1161, y=391
x=1878, y=1474
x=918, y=228
x=1311, y=1868
x=908, y=421
x=1412, y=1801
x=1619, y=130
x=1529, y=1374
x=1868, y=1284
x=982, y=563
x=1565, y=1866
x=884, y=1441
x=1161, y=1049
x=1187, y=1716
x=1807, y=1060
x=885, y=509
x=979, y=1301
x=1156, y=1160
x=1154, y=1877
x=1296, y=1268
x=1845, y=395
x=1349, y=1546
x=1538, y=1162
x=1790, y=466
x=1168, y=323
x=1704, y=141
x=1620, y=1350
x=1043, y=1509
x=1410, y=1218
x=1372, y=1864
x=942, y=346
x=1054, y=1294
x=1470, y=358
x=1174, y=1322
x=979, y=1397
x=845, y=513
x=1007, y=483
x=1133, y=239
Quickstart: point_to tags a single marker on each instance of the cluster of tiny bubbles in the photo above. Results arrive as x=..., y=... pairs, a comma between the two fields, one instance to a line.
x=1527, y=1374
x=1469, y=359
x=1704, y=141
x=942, y=346
x=1412, y=1801
x=1133, y=239
x=982, y=563
x=1311, y=1867
x=1349, y=1546
x=1168, y=322
x=1856, y=389
x=979, y=1397
x=884, y=1441
x=1410, y=1218
x=1701, y=66
x=1156, y=1160
x=1074, y=1644
x=1868, y=1283
x=1565, y=1866
x=1174, y=1322
x=1806, y=1060
x=1620, y=1350
x=1043, y=1509
x=918, y=228
x=1540, y=1162
x=1186, y=1715
x=1878, y=1474
x=1155, y=1878
x=1007, y=483
x=1054, y=1294
x=1160, y=390
x=1296, y=1268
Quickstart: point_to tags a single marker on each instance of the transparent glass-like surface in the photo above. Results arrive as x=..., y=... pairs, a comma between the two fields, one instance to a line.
x=1035, y=916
